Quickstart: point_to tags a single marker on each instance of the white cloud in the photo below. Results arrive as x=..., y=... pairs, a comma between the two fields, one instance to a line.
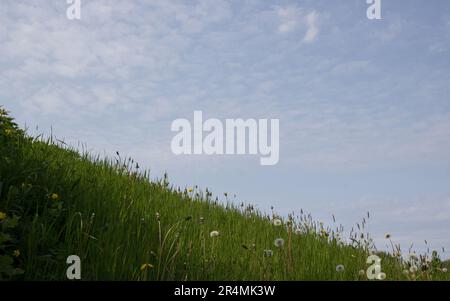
x=292, y=18
x=392, y=31
x=289, y=18
x=313, y=29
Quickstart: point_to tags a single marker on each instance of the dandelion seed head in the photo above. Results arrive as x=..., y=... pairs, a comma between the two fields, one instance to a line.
x=277, y=222
x=444, y=270
x=268, y=253
x=214, y=233
x=340, y=268
x=381, y=276
x=279, y=242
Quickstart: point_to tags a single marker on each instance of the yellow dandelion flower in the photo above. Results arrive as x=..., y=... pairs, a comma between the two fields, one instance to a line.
x=16, y=253
x=8, y=132
x=2, y=216
x=54, y=196
x=146, y=266
x=190, y=189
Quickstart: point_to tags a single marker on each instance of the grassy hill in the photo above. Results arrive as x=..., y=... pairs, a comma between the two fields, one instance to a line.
x=56, y=202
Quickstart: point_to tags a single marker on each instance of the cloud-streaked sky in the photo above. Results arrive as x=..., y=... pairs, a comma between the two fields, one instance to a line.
x=364, y=105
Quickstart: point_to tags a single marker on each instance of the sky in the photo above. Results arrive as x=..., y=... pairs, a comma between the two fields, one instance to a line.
x=364, y=105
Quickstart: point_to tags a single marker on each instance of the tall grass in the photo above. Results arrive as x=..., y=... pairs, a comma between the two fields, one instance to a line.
x=57, y=202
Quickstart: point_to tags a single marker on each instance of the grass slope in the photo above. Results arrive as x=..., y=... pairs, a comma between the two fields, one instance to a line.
x=55, y=202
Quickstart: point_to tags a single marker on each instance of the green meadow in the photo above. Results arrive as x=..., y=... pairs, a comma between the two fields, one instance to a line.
x=56, y=202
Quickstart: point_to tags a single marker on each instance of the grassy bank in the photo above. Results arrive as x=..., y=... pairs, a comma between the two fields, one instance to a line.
x=56, y=202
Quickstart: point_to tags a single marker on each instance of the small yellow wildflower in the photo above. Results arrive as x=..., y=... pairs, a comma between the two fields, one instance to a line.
x=26, y=185
x=146, y=266
x=16, y=253
x=190, y=189
x=2, y=216
x=54, y=196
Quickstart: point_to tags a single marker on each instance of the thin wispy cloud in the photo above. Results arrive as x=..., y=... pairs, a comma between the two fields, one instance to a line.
x=292, y=18
x=313, y=29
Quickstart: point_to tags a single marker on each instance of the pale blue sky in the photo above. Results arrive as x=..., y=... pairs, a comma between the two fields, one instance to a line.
x=364, y=105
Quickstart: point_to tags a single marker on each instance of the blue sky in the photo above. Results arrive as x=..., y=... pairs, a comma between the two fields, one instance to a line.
x=364, y=105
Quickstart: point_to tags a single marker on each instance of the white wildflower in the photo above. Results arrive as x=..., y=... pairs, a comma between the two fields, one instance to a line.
x=277, y=222
x=279, y=242
x=214, y=234
x=340, y=268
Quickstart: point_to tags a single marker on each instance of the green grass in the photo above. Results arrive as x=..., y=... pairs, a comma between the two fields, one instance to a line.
x=57, y=202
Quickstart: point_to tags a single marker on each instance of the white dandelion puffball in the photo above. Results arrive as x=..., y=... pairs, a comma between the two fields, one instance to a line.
x=279, y=242
x=214, y=234
x=277, y=222
x=340, y=268
x=381, y=276
x=444, y=270
x=268, y=253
